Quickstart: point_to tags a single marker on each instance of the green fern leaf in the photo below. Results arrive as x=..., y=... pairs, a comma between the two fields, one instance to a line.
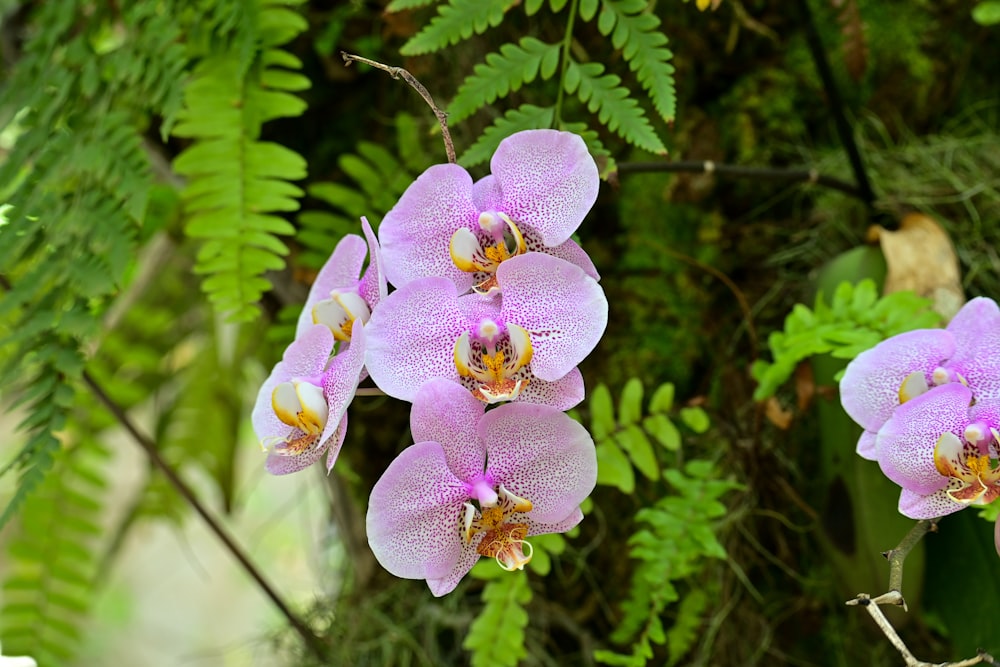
x=457, y=21
x=236, y=184
x=401, y=5
x=48, y=586
x=503, y=73
x=614, y=107
x=496, y=637
x=525, y=117
x=636, y=32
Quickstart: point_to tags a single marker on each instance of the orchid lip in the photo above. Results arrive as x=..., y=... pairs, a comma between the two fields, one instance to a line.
x=301, y=404
x=503, y=538
x=340, y=311
x=495, y=360
x=498, y=239
x=973, y=480
x=912, y=386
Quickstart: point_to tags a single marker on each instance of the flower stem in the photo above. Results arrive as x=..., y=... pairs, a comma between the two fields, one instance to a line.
x=400, y=73
x=564, y=64
x=898, y=555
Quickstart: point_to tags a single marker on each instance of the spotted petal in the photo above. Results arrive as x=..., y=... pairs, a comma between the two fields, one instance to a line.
x=547, y=181
x=412, y=334
x=905, y=444
x=446, y=412
x=976, y=329
x=340, y=384
x=869, y=390
x=277, y=464
x=927, y=506
x=866, y=445
x=373, y=287
x=541, y=454
x=340, y=271
x=416, y=233
x=414, y=512
x=563, y=309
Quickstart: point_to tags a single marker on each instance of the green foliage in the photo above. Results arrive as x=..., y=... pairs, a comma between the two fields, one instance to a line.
x=236, y=183
x=987, y=12
x=496, y=637
x=677, y=538
x=380, y=177
x=503, y=72
x=456, y=21
x=48, y=588
x=74, y=216
x=625, y=442
x=634, y=30
x=856, y=320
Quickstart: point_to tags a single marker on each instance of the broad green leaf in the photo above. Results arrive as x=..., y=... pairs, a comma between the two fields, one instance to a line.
x=695, y=419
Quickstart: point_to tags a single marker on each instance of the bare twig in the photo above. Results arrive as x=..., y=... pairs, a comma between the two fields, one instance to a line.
x=400, y=73
x=738, y=171
x=314, y=643
x=895, y=597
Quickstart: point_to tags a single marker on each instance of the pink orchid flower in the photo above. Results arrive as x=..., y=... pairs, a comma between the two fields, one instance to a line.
x=542, y=185
x=338, y=297
x=301, y=409
x=900, y=368
x=526, y=347
x=477, y=484
x=938, y=447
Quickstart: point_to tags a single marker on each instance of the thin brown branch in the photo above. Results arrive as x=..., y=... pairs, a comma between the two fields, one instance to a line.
x=314, y=643
x=400, y=73
x=738, y=171
x=895, y=597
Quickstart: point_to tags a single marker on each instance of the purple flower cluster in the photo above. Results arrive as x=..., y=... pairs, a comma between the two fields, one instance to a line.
x=493, y=304
x=929, y=401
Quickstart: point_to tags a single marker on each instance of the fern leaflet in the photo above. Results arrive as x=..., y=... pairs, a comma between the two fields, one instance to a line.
x=502, y=73
x=457, y=21
x=496, y=637
x=636, y=32
x=237, y=183
x=401, y=5
x=620, y=113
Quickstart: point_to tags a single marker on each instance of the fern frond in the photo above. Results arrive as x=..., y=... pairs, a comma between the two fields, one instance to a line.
x=236, y=183
x=615, y=108
x=455, y=22
x=525, y=117
x=496, y=637
x=503, y=72
x=402, y=5
x=636, y=32
x=49, y=585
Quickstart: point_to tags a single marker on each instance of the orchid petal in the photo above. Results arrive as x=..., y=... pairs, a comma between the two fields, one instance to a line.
x=413, y=514
x=548, y=181
x=976, y=328
x=930, y=506
x=278, y=464
x=416, y=233
x=468, y=557
x=574, y=254
x=563, y=309
x=905, y=444
x=540, y=454
x=869, y=390
x=412, y=334
x=336, y=442
x=866, y=446
x=340, y=271
x=340, y=382
x=562, y=394
x=567, y=523
x=445, y=412
x=373, y=287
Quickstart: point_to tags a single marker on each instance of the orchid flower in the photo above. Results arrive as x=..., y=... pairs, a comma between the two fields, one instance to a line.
x=526, y=347
x=542, y=185
x=476, y=485
x=939, y=449
x=900, y=368
x=338, y=297
x=301, y=409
